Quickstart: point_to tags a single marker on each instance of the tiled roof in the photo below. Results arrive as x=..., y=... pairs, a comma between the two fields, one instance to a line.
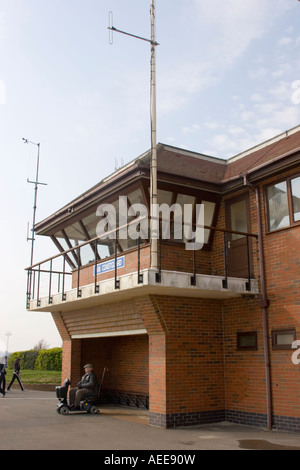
x=264, y=154
x=181, y=166
x=216, y=170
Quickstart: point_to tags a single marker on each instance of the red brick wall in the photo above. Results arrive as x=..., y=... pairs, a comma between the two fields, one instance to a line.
x=194, y=354
x=282, y=259
x=157, y=374
x=131, y=263
x=126, y=358
x=185, y=354
x=107, y=318
x=71, y=361
x=174, y=257
x=245, y=371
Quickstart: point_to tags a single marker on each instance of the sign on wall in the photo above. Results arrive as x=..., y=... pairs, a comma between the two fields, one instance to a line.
x=110, y=265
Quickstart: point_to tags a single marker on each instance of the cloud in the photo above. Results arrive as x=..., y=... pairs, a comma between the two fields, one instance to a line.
x=285, y=41
x=191, y=129
x=89, y=99
x=176, y=86
x=236, y=24
x=2, y=92
x=211, y=125
x=2, y=27
x=220, y=34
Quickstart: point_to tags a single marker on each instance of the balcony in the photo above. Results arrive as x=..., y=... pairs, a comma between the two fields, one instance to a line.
x=55, y=284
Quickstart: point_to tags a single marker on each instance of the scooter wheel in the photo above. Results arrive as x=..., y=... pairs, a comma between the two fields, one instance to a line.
x=64, y=410
x=93, y=410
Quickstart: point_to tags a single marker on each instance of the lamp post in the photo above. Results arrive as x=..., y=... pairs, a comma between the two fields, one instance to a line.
x=8, y=334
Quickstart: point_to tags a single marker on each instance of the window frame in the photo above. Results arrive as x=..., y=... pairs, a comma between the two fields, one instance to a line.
x=283, y=331
x=241, y=334
x=292, y=223
x=200, y=195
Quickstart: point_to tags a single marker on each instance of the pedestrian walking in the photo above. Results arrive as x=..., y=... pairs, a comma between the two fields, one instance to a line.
x=3, y=364
x=16, y=374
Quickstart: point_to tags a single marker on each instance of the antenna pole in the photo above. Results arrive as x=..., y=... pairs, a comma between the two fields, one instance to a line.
x=154, y=222
x=35, y=203
x=36, y=183
x=153, y=181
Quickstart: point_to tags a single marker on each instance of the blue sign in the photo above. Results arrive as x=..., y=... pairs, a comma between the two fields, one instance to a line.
x=110, y=265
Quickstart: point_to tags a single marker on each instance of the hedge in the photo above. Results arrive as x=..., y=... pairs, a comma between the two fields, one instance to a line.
x=45, y=359
x=28, y=359
x=49, y=359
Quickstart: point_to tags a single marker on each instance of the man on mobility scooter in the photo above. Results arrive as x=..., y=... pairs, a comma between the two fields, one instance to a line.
x=83, y=397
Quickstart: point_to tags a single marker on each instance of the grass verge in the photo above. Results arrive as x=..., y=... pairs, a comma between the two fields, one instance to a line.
x=36, y=376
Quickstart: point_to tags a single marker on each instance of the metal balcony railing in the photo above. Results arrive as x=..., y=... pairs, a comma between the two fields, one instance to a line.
x=52, y=276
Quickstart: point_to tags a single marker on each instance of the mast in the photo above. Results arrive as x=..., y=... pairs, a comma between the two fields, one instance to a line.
x=154, y=232
x=154, y=222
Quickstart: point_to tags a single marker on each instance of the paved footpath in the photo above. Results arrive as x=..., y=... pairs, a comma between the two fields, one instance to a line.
x=29, y=421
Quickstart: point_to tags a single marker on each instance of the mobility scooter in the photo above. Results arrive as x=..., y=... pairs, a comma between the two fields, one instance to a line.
x=88, y=405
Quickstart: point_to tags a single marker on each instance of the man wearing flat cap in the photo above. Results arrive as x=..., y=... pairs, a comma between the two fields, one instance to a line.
x=86, y=387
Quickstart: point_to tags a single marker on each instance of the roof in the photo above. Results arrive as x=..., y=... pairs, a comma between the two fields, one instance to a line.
x=186, y=167
x=264, y=154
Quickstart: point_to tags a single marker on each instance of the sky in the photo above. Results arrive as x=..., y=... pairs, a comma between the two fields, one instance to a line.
x=228, y=78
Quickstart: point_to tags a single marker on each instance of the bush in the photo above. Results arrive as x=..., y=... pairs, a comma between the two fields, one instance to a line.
x=28, y=359
x=12, y=358
x=45, y=359
x=49, y=359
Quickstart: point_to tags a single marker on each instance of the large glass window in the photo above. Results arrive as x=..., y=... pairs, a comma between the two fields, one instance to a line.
x=209, y=212
x=238, y=215
x=283, y=203
x=177, y=209
x=295, y=189
x=278, y=206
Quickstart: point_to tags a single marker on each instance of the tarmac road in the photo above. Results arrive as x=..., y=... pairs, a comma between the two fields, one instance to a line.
x=29, y=421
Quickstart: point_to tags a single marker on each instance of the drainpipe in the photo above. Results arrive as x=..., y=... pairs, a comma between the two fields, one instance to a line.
x=263, y=302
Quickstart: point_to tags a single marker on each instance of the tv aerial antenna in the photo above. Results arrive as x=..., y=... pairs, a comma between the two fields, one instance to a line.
x=154, y=222
x=36, y=184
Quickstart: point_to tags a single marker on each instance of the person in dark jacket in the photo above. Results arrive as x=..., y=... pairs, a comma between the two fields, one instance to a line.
x=16, y=374
x=85, y=387
x=2, y=375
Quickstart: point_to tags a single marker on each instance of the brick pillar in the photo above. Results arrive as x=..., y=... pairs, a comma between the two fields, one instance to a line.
x=157, y=381
x=157, y=330
x=71, y=361
x=71, y=351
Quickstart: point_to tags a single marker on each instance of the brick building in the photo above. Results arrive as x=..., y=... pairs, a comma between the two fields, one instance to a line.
x=207, y=336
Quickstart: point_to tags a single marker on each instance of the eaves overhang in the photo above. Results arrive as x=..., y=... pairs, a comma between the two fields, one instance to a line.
x=185, y=168
x=260, y=173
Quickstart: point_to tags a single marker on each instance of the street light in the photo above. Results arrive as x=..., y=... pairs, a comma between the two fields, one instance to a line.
x=8, y=334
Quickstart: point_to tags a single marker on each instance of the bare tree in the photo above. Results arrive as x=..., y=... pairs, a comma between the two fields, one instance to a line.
x=41, y=344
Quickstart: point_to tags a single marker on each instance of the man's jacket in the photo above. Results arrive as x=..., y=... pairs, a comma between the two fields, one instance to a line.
x=88, y=381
